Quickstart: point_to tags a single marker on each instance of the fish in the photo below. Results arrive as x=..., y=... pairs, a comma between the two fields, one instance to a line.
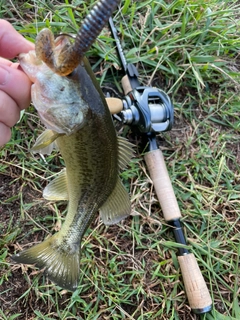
x=78, y=122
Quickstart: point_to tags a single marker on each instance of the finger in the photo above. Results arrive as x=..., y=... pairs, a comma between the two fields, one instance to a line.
x=11, y=64
x=5, y=134
x=16, y=84
x=6, y=62
x=11, y=42
x=9, y=111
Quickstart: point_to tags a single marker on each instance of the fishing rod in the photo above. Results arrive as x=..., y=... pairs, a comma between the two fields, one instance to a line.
x=150, y=111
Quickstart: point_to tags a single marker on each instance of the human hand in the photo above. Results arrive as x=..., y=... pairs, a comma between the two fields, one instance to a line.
x=15, y=86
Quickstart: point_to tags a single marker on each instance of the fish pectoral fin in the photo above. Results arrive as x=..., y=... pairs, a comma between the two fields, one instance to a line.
x=117, y=206
x=57, y=189
x=45, y=142
x=126, y=152
x=61, y=264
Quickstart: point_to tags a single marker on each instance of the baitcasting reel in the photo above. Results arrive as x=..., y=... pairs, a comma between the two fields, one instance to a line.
x=148, y=108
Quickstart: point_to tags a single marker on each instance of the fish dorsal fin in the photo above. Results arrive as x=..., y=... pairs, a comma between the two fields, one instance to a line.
x=57, y=188
x=44, y=143
x=125, y=152
x=117, y=206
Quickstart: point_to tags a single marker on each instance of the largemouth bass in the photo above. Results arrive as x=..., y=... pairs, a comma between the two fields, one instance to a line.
x=78, y=121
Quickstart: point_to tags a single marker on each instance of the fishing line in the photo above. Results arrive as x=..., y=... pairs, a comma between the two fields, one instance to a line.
x=131, y=38
x=143, y=38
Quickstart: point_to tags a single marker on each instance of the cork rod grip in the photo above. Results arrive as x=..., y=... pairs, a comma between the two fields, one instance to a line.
x=196, y=288
x=162, y=185
x=197, y=292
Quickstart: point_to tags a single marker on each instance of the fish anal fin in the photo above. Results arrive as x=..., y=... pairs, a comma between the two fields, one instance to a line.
x=117, y=206
x=60, y=265
x=125, y=151
x=57, y=189
x=44, y=143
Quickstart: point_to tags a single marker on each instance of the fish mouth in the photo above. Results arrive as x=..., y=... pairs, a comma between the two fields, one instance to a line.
x=65, y=61
x=29, y=62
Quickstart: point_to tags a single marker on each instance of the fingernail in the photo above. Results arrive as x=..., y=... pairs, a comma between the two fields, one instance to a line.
x=4, y=75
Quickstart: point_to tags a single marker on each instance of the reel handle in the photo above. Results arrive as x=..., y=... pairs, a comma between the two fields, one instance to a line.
x=115, y=105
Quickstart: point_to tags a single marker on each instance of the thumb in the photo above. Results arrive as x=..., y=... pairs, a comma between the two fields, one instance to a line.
x=16, y=84
x=11, y=42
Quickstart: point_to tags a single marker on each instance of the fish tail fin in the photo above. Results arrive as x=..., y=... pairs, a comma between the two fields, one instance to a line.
x=61, y=264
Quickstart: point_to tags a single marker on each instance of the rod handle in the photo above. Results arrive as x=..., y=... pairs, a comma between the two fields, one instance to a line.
x=162, y=184
x=196, y=289
x=126, y=84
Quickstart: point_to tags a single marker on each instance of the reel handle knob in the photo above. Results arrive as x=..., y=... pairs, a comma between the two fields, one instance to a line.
x=115, y=105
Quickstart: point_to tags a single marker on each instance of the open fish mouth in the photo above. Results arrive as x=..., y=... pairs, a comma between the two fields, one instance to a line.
x=69, y=58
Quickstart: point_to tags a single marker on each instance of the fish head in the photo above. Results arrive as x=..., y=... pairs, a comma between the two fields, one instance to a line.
x=57, y=99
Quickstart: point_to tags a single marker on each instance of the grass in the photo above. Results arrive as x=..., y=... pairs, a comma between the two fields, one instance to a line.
x=190, y=49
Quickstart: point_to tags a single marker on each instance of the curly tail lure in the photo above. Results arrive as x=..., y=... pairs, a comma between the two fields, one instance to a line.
x=64, y=62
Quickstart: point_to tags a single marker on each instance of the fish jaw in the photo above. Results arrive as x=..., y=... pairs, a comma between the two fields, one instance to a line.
x=30, y=64
x=56, y=98
x=64, y=116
